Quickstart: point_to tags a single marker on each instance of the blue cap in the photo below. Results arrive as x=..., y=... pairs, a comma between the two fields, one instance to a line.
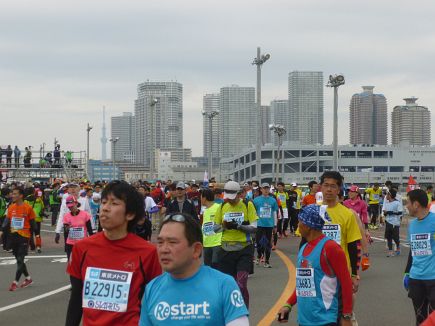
x=311, y=216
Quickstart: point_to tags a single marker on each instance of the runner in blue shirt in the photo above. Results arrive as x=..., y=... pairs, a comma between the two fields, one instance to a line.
x=267, y=210
x=189, y=293
x=419, y=278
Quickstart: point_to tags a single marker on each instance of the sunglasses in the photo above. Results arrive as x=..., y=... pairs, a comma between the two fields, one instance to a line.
x=180, y=189
x=231, y=191
x=175, y=217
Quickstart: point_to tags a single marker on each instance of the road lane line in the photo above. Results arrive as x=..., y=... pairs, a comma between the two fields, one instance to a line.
x=42, y=296
x=52, y=256
x=290, y=286
x=384, y=240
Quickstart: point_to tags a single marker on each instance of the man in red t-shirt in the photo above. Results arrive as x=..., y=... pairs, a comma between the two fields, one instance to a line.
x=21, y=220
x=311, y=197
x=109, y=270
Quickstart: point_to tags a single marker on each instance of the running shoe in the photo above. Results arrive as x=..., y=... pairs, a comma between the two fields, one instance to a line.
x=13, y=286
x=262, y=260
x=397, y=252
x=257, y=261
x=26, y=283
x=38, y=250
x=273, y=247
x=267, y=265
x=390, y=253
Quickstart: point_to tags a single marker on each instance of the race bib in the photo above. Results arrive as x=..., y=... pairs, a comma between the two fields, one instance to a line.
x=17, y=223
x=106, y=289
x=285, y=213
x=281, y=198
x=265, y=212
x=319, y=198
x=375, y=197
x=305, y=286
x=76, y=233
x=420, y=244
x=333, y=232
x=207, y=228
x=238, y=217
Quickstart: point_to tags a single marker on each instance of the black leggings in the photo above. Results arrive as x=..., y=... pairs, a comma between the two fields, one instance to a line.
x=293, y=219
x=264, y=241
x=422, y=294
x=392, y=233
x=21, y=266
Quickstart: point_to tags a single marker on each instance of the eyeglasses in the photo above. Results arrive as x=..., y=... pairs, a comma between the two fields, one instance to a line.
x=175, y=217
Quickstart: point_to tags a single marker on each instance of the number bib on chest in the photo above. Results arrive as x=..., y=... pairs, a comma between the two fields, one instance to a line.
x=375, y=197
x=238, y=217
x=76, y=233
x=207, y=228
x=333, y=232
x=420, y=244
x=17, y=223
x=265, y=212
x=305, y=286
x=106, y=289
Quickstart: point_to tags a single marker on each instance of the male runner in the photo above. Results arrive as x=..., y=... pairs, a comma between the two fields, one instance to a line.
x=109, y=270
x=21, y=220
x=375, y=194
x=211, y=239
x=189, y=293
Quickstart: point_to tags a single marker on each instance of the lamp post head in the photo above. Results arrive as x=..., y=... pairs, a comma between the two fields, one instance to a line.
x=336, y=80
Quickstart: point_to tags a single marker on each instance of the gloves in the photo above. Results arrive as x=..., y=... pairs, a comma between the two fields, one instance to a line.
x=231, y=225
x=245, y=223
x=365, y=262
x=57, y=238
x=406, y=281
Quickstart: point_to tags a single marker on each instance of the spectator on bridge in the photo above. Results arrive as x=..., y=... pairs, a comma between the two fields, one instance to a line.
x=8, y=152
x=56, y=155
x=17, y=154
x=27, y=158
x=68, y=158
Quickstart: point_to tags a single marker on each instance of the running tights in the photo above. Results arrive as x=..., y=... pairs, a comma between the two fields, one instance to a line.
x=21, y=267
x=242, y=282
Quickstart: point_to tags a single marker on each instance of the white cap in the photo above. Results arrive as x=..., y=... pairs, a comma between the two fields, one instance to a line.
x=231, y=190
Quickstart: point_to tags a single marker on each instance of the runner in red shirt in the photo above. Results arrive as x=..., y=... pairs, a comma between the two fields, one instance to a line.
x=109, y=270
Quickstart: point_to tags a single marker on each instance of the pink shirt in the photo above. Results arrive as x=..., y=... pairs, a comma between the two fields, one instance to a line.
x=360, y=207
x=77, y=226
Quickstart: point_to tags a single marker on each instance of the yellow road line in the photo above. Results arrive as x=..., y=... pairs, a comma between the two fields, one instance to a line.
x=289, y=288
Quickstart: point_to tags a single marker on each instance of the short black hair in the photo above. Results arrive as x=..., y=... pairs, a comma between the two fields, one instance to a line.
x=192, y=229
x=208, y=194
x=311, y=184
x=280, y=184
x=134, y=203
x=20, y=190
x=418, y=195
x=429, y=187
x=388, y=183
x=332, y=175
x=392, y=193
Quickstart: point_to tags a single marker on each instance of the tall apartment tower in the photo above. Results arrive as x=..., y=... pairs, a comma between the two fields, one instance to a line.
x=159, y=119
x=368, y=118
x=238, y=119
x=265, y=121
x=103, y=137
x=210, y=103
x=411, y=123
x=279, y=114
x=305, y=100
x=123, y=127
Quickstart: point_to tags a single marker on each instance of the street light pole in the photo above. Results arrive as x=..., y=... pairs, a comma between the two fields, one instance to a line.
x=153, y=104
x=114, y=141
x=335, y=81
x=210, y=116
x=258, y=61
x=88, y=129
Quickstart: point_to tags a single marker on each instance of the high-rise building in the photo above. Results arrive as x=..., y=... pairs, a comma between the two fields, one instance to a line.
x=210, y=104
x=124, y=128
x=305, y=100
x=103, y=137
x=265, y=121
x=279, y=114
x=411, y=123
x=159, y=119
x=237, y=112
x=368, y=118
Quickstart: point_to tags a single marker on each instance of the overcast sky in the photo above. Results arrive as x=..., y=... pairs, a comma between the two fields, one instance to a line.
x=62, y=61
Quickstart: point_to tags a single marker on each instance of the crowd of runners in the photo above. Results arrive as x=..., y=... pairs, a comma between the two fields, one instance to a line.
x=180, y=253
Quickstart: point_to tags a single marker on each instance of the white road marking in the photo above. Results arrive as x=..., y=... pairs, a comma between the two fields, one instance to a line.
x=401, y=243
x=10, y=261
x=60, y=260
x=50, y=231
x=52, y=256
x=42, y=296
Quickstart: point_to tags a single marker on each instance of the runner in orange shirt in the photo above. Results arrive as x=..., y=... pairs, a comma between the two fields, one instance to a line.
x=21, y=220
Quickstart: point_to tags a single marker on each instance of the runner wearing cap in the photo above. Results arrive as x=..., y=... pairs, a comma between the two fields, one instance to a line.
x=20, y=219
x=237, y=221
x=322, y=276
x=181, y=203
x=267, y=210
x=77, y=224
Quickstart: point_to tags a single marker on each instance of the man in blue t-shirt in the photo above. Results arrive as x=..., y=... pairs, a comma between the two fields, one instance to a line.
x=419, y=278
x=189, y=293
x=267, y=209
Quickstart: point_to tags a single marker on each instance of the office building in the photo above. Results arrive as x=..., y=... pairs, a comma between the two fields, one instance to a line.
x=159, y=119
x=368, y=118
x=210, y=104
x=123, y=127
x=411, y=123
x=305, y=100
x=265, y=121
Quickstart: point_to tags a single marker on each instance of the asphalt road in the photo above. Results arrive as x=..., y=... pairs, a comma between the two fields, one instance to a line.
x=381, y=299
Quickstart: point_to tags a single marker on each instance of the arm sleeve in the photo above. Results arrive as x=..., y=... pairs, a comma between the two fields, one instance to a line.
x=75, y=311
x=292, y=299
x=5, y=224
x=409, y=263
x=89, y=227
x=32, y=225
x=337, y=260
x=352, y=248
x=59, y=224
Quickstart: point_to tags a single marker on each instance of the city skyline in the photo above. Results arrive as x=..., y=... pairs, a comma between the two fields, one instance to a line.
x=61, y=63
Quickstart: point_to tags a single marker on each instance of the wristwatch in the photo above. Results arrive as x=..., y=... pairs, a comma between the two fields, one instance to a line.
x=346, y=316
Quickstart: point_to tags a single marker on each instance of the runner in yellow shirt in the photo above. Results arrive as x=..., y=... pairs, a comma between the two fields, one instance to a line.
x=374, y=194
x=211, y=239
